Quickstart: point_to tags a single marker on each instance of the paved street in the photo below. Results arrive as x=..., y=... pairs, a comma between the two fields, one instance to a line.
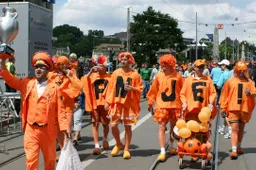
x=145, y=149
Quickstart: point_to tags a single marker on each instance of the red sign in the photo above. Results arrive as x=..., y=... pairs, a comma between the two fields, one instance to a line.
x=220, y=26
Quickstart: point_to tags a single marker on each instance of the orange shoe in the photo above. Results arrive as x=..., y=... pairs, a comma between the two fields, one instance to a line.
x=116, y=150
x=239, y=151
x=105, y=145
x=172, y=151
x=161, y=157
x=126, y=154
x=233, y=155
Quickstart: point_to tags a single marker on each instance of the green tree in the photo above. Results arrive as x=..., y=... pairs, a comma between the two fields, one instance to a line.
x=151, y=31
x=67, y=35
x=228, y=49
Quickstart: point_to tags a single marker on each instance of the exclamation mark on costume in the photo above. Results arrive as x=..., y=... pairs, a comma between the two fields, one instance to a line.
x=240, y=93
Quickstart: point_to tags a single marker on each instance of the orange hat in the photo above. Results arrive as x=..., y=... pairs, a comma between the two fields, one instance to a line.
x=199, y=62
x=241, y=66
x=126, y=54
x=169, y=59
x=102, y=60
x=42, y=58
x=62, y=60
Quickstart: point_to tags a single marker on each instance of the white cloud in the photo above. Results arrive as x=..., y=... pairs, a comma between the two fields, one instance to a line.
x=111, y=15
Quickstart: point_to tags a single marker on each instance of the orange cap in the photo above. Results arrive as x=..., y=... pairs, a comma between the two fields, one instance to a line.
x=42, y=58
x=199, y=62
x=241, y=66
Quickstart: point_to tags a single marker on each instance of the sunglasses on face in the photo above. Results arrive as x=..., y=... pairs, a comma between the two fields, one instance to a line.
x=40, y=66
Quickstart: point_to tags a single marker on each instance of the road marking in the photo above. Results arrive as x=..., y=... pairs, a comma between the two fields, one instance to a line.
x=93, y=158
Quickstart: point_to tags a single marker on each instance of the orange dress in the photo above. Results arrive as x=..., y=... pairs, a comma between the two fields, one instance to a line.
x=165, y=90
x=124, y=105
x=94, y=86
x=198, y=93
x=234, y=101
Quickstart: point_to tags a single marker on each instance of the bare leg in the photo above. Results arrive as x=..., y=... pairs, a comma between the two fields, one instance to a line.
x=128, y=136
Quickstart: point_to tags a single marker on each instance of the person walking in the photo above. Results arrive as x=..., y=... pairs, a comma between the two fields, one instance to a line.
x=42, y=111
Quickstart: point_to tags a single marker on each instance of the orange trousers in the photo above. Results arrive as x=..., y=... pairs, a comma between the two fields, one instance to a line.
x=37, y=138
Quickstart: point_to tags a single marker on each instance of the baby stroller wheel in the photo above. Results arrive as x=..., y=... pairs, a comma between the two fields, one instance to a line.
x=180, y=163
x=203, y=164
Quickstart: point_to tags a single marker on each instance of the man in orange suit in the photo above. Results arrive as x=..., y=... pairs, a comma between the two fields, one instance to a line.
x=42, y=111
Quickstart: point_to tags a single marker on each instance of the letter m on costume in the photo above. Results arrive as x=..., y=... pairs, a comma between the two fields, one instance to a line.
x=120, y=87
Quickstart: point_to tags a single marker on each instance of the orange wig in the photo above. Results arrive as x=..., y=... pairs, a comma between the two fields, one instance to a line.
x=241, y=66
x=168, y=59
x=126, y=54
x=62, y=60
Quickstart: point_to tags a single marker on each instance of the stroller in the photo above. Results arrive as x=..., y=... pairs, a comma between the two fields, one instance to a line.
x=193, y=145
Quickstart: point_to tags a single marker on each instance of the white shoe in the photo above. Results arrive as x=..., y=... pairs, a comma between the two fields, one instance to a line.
x=221, y=130
x=227, y=135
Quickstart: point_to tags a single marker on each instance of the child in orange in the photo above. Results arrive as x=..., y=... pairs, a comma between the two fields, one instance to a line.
x=238, y=103
x=197, y=92
x=70, y=87
x=165, y=90
x=94, y=85
x=123, y=101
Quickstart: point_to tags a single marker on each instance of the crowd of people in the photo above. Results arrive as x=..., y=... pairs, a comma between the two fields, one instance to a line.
x=53, y=102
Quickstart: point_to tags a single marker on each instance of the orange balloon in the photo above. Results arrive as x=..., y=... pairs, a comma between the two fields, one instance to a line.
x=184, y=133
x=203, y=117
x=181, y=124
x=193, y=126
x=204, y=127
x=192, y=146
x=207, y=110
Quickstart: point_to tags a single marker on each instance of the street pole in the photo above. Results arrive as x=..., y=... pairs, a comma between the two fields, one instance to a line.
x=225, y=46
x=128, y=29
x=196, y=36
x=233, y=50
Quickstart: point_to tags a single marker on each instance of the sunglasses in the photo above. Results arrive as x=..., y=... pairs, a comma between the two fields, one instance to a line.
x=41, y=66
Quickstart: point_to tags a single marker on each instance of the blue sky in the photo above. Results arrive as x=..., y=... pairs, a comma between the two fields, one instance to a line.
x=110, y=15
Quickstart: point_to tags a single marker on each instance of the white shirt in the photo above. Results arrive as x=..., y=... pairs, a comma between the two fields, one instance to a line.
x=41, y=87
x=154, y=73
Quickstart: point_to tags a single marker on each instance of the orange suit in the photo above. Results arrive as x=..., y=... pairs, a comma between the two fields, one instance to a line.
x=47, y=111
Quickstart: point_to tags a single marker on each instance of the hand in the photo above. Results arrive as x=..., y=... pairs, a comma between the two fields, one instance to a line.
x=67, y=72
x=128, y=87
x=247, y=92
x=150, y=108
x=106, y=106
x=184, y=106
x=68, y=134
x=210, y=106
x=76, y=105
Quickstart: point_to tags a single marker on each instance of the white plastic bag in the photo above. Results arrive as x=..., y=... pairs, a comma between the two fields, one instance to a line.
x=69, y=158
